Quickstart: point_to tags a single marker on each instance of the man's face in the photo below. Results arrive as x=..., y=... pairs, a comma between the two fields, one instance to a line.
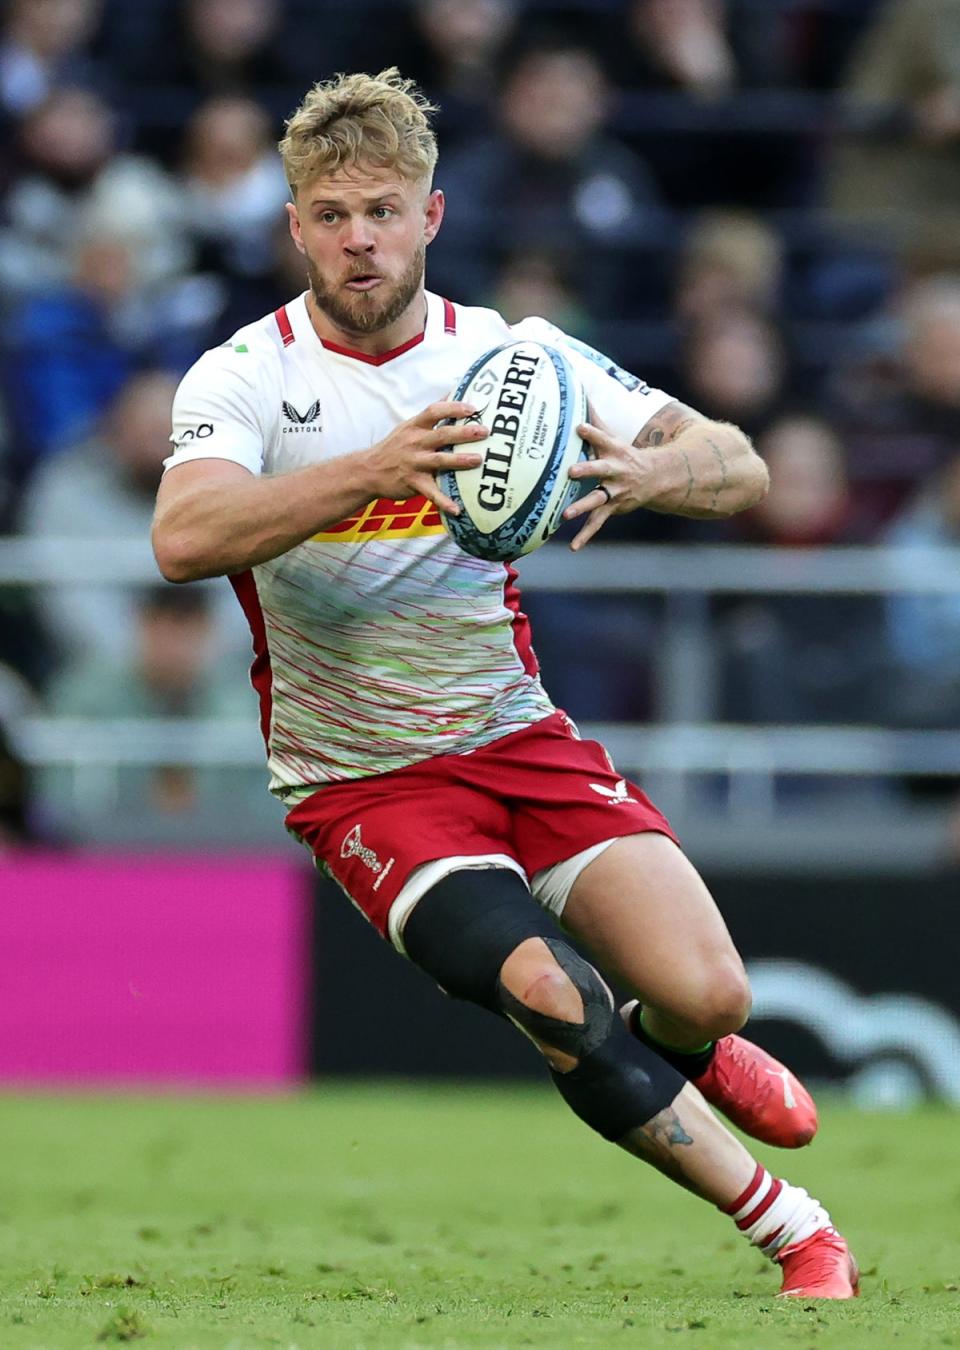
x=364, y=233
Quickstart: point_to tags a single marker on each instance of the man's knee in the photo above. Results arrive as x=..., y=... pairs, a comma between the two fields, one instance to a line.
x=720, y=1004
x=482, y=937
x=557, y=999
x=612, y=1081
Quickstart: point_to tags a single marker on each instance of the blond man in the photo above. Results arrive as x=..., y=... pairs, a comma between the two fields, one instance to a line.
x=407, y=730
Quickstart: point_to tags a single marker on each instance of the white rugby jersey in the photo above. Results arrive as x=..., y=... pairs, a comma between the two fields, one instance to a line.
x=378, y=642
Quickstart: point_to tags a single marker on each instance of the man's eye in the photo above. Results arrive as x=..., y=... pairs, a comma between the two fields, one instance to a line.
x=328, y=217
x=382, y=212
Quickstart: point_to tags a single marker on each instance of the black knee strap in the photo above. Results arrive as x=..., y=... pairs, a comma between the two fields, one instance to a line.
x=463, y=930
x=466, y=926
x=578, y=1039
x=621, y=1085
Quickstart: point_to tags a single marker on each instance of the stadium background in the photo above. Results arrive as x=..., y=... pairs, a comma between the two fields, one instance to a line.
x=752, y=204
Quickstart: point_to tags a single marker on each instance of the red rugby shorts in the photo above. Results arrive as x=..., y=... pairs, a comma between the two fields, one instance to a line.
x=539, y=796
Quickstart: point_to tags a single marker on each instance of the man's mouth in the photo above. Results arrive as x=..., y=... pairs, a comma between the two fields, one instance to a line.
x=364, y=282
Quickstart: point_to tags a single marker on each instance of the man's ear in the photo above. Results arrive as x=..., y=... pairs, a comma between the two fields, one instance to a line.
x=433, y=214
x=294, y=220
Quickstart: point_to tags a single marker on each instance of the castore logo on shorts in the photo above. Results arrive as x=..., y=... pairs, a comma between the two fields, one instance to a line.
x=615, y=796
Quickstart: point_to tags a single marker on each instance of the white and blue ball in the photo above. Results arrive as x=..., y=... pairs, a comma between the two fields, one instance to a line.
x=532, y=400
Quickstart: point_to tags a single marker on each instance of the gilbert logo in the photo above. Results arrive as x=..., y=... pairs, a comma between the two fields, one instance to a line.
x=354, y=847
x=302, y=421
x=615, y=796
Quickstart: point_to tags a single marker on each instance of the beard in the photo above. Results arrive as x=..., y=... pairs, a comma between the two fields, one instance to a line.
x=364, y=312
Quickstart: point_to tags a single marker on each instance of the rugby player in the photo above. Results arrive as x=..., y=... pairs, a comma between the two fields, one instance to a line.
x=407, y=731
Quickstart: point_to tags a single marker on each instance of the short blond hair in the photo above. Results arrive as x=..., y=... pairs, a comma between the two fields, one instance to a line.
x=382, y=120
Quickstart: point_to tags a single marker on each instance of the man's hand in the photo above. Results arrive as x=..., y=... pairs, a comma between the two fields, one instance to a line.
x=624, y=484
x=681, y=463
x=404, y=463
x=215, y=518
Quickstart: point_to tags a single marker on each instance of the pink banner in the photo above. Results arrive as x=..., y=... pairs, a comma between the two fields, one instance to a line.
x=153, y=970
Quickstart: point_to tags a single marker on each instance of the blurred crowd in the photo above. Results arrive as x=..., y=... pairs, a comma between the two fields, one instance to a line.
x=751, y=203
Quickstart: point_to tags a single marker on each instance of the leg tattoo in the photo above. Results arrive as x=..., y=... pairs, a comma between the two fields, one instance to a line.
x=656, y=1142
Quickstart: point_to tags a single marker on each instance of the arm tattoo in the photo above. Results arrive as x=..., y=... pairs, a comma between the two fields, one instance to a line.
x=691, y=483
x=721, y=460
x=666, y=425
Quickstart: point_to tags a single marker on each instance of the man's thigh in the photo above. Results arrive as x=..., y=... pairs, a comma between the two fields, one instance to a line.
x=643, y=910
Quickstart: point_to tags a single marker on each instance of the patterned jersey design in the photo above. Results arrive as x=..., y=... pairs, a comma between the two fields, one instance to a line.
x=378, y=642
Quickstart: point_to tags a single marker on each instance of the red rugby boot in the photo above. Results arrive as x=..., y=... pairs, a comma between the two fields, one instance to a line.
x=821, y=1266
x=760, y=1095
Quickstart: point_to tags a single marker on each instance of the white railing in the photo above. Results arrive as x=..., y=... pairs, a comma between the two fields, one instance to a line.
x=663, y=568
x=677, y=752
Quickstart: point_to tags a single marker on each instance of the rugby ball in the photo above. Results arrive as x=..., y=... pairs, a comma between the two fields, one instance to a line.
x=532, y=400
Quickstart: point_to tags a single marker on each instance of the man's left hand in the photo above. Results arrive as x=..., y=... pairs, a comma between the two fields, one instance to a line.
x=624, y=480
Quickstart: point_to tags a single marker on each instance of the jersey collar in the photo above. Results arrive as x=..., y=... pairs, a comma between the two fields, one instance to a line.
x=299, y=317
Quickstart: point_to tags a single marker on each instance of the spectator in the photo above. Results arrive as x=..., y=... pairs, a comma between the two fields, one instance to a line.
x=734, y=368
x=539, y=283
x=234, y=185
x=42, y=46
x=214, y=47
x=72, y=347
x=262, y=294
x=686, y=41
x=704, y=47
x=548, y=178
x=70, y=169
x=901, y=412
x=171, y=671
x=803, y=658
x=924, y=630
x=730, y=261
x=454, y=52
x=104, y=489
x=900, y=162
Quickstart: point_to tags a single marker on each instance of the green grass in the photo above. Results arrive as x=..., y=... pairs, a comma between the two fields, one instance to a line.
x=409, y=1216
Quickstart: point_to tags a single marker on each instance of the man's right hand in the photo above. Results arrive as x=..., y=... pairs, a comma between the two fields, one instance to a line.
x=404, y=463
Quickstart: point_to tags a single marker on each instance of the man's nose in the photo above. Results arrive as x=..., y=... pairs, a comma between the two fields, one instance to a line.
x=359, y=237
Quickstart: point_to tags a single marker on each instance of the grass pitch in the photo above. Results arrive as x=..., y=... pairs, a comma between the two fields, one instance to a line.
x=403, y=1216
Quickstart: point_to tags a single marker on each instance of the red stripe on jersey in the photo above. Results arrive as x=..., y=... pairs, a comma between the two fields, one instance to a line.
x=374, y=360
x=750, y=1219
x=261, y=674
x=283, y=323
x=522, y=638
x=749, y=1193
x=449, y=318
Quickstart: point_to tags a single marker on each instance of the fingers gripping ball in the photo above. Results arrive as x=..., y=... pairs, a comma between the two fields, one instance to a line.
x=532, y=400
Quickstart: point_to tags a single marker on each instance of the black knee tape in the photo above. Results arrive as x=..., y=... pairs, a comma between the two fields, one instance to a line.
x=466, y=926
x=578, y=1039
x=463, y=930
x=619, y=1085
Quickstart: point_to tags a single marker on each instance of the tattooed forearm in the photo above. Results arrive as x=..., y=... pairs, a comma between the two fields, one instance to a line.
x=691, y=480
x=722, y=462
x=696, y=467
x=666, y=425
x=656, y=1142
